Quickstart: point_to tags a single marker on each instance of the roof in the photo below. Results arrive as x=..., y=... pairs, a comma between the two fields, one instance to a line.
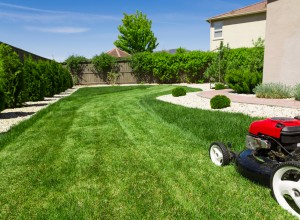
x=116, y=52
x=251, y=9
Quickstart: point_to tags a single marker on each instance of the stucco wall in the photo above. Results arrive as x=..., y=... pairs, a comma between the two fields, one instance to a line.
x=240, y=31
x=282, y=51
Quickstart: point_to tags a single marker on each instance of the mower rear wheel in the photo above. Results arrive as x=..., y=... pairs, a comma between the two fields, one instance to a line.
x=285, y=185
x=219, y=154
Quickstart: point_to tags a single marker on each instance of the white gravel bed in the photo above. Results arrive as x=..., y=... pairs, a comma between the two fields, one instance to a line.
x=13, y=116
x=192, y=100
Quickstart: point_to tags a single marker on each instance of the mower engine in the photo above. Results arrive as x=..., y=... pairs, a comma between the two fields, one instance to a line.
x=277, y=138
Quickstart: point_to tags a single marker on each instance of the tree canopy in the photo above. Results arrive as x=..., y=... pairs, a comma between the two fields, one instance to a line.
x=136, y=34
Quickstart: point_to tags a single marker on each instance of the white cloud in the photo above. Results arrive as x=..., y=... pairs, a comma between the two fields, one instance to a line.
x=28, y=14
x=58, y=30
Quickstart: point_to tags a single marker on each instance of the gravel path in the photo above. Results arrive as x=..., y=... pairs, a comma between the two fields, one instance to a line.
x=13, y=116
x=193, y=100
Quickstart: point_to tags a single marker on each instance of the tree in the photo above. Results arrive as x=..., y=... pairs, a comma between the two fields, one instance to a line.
x=135, y=34
x=217, y=69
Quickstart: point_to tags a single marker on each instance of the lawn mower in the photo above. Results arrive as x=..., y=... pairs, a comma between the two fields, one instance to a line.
x=271, y=158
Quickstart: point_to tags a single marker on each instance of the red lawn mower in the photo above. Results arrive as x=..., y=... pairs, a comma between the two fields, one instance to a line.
x=272, y=158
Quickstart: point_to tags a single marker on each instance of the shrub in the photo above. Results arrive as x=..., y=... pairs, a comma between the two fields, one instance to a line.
x=166, y=68
x=273, y=91
x=297, y=92
x=227, y=60
x=243, y=81
x=219, y=101
x=142, y=67
x=11, y=76
x=112, y=77
x=170, y=68
x=103, y=64
x=179, y=91
x=76, y=66
x=219, y=86
x=34, y=89
x=2, y=100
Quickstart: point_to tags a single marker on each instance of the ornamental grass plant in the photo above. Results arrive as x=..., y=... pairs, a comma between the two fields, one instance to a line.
x=297, y=92
x=273, y=91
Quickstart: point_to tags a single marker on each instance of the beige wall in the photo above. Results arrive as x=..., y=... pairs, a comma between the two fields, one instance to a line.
x=282, y=51
x=240, y=31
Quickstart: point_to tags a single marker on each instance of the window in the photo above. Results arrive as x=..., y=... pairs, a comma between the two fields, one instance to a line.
x=218, y=29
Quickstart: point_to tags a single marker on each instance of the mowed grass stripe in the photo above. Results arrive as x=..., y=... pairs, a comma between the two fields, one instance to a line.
x=117, y=153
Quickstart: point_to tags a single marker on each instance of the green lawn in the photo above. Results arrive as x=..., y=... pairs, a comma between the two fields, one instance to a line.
x=118, y=153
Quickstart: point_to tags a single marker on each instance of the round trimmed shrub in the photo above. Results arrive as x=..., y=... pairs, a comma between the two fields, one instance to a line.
x=219, y=86
x=179, y=91
x=220, y=101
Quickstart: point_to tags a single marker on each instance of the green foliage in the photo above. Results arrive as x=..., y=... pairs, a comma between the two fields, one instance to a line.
x=136, y=34
x=2, y=100
x=243, y=81
x=259, y=42
x=142, y=67
x=219, y=86
x=11, y=76
x=297, y=92
x=103, y=64
x=76, y=65
x=251, y=59
x=233, y=64
x=220, y=101
x=273, y=91
x=179, y=91
x=165, y=68
x=181, y=50
x=31, y=81
x=113, y=77
x=217, y=68
x=170, y=68
x=195, y=63
x=34, y=89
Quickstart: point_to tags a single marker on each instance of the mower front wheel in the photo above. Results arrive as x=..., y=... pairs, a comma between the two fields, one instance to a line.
x=219, y=154
x=285, y=185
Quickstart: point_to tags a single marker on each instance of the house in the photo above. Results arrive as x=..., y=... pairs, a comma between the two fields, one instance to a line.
x=282, y=44
x=239, y=28
x=116, y=52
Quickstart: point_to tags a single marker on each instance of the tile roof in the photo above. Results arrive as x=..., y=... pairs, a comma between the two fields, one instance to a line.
x=251, y=9
x=116, y=52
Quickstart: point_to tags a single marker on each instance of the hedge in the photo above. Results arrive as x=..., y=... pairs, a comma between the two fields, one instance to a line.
x=34, y=82
x=163, y=67
x=11, y=76
x=29, y=81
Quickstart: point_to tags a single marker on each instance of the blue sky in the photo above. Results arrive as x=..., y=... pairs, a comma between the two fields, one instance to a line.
x=57, y=29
